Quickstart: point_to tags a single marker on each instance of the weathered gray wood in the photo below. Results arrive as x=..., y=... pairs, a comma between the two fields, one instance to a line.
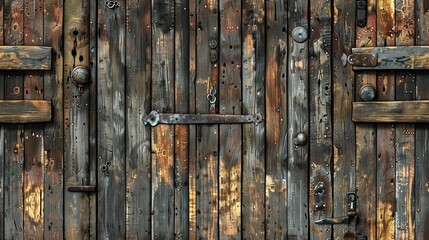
x=276, y=119
x=391, y=111
x=320, y=96
x=253, y=72
x=25, y=58
x=138, y=198
x=25, y=111
x=2, y=142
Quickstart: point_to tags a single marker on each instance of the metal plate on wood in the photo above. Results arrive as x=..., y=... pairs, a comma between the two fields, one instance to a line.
x=81, y=188
x=25, y=58
x=363, y=59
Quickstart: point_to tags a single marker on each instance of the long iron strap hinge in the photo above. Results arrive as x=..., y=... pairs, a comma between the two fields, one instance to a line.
x=154, y=118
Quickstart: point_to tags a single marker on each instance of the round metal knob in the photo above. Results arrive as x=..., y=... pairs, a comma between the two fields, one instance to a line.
x=367, y=93
x=299, y=34
x=80, y=76
x=300, y=139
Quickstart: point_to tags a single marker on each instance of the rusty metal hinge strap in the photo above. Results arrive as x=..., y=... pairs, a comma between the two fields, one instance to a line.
x=154, y=118
x=81, y=189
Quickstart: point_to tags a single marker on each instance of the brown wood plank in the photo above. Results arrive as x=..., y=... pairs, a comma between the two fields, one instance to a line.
x=25, y=57
x=405, y=133
x=253, y=72
x=25, y=111
x=398, y=57
x=230, y=136
x=422, y=131
x=181, y=103
x=138, y=198
x=276, y=119
x=366, y=139
x=163, y=135
x=344, y=129
x=14, y=146
x=53, y=133
x=111, y=133
x=2, y=142
x=391, y=111
x=76, y=120
x=207, y=136
x=320, y=137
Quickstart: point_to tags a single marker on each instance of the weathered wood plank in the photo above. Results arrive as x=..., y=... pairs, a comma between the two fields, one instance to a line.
x=344, y=129
x=422, y=131
x=2, y=140
x=76, y=120
x=230, y=136
x=138, y=153
x=163, y=135
x=207, y=136
x=392, y=111
x=14, y=146
x=405, y=133
x=366, y=139
x=385, y=132
x=25, y=111
x=398, y=57
x=25, y=57
x=276, y=119
x=53, y=133
x=111, y=122
x=253, y=72
x=320, y=136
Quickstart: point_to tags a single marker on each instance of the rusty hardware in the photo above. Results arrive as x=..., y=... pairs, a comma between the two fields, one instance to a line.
x=81, y=189
x=320, y=196
x=361, y=12
x=154, y=118
x=80, y=76
x=112, y=4
x=299, y=34
x=363, y=59
x=300, y=139
x=211, y=97
x=367, y=93
x=351, y=214
x=213, y=43
x=213, y=55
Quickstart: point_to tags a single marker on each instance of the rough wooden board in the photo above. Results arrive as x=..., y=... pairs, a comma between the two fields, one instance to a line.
x=138, y=199
x=230, y=136
x=163, y=136
x=2, y=142
x=25, y=58
x=320, y=136
x=25, y=111
x=111, y=122
x=391, y=111
x=253, y=184
x=276, y=119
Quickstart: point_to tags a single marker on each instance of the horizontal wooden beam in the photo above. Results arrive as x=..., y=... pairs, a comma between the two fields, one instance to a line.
x=25, y=58
x=390, y=58
x=391, y=112
x=25, y=111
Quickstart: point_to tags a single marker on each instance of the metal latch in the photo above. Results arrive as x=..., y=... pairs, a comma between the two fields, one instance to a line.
x=320, y=196
x=361, y=12
x=351, y=214
x=81, y=188
x=153, y=118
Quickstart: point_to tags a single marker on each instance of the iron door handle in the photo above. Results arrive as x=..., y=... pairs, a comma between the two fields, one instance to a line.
x=351, y=214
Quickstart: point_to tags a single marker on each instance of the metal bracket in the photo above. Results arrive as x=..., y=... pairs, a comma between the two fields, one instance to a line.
x=153, y=118
x=363, y=59
x=81, y=189
x=361, y=12
x=320, y=196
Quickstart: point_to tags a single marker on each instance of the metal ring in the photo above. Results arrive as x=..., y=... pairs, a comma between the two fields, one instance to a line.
x=111, y=4
x=211, y=98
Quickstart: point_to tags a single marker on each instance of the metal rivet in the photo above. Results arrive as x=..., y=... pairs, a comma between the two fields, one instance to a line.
x=213, y=43
x=299, y=34
x=367, y=93
x=300, y=139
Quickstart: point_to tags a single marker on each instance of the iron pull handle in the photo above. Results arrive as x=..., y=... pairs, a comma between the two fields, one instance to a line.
x=351, y=214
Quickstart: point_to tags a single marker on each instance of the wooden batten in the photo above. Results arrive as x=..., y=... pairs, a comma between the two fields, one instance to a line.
x=25, y=111
x=391, y=112
x=25, y=58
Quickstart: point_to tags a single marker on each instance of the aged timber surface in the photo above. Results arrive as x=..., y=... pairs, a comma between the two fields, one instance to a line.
x=25, y=57
x=25, y=111
x=392, y=111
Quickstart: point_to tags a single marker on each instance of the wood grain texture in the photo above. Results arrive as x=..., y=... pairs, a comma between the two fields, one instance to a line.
x=25, y=111
x=253, y=183
x=320, y=97
x=25, y=57
x=111, y=132
x=2, y=142
x=276, y=119
x=138, y=152
x=391, y=111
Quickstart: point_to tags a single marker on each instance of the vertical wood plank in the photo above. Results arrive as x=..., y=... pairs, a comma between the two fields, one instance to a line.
x=320, y=137
x=2, y=140
x=344, y=130
x=366, y=139
x=276, y=120
x=111, y=122
x=405, y=133
x=422, y=131
x=253, y=72
x=138, y=60
x=14, y=146
x=230, y=136
x=386, y=206
x=163, y=135
x=76, y=120
x=207, y=136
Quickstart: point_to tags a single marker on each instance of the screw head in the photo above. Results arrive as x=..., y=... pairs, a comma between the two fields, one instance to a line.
x=299, y=34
